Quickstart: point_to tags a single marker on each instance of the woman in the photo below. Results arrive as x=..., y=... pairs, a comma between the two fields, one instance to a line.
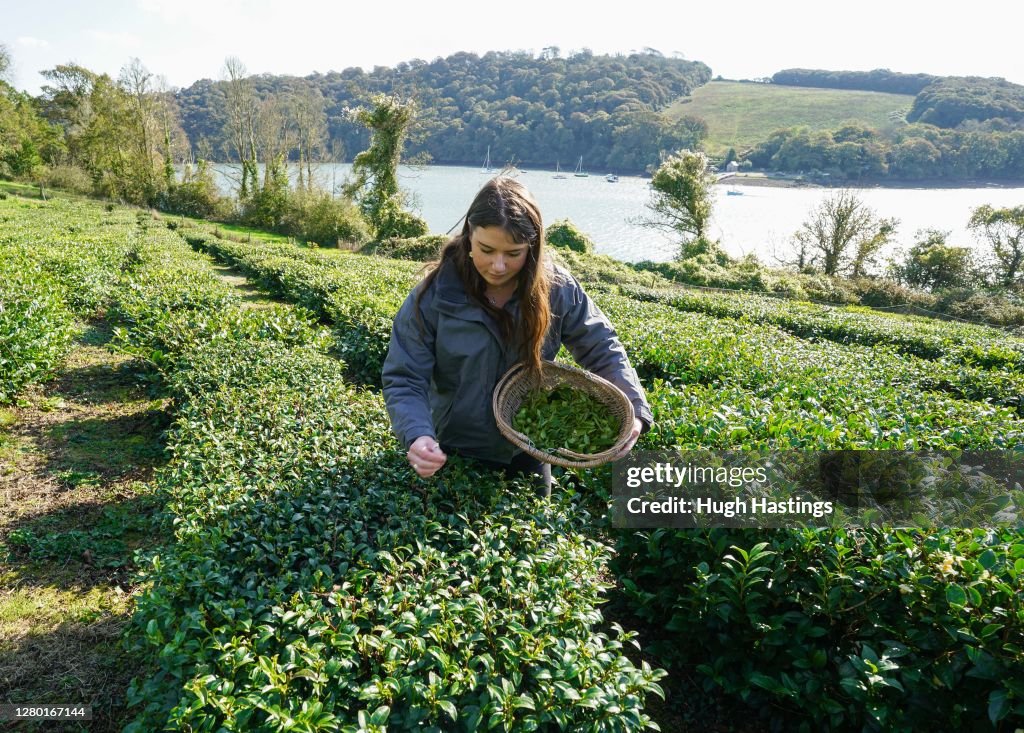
x=493, y=299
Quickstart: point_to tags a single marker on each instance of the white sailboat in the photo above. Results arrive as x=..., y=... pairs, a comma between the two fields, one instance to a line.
x=580, y=173
x=487, y=162
x=558, y=172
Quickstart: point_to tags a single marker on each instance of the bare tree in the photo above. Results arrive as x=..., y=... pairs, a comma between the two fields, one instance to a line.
x=309, y=121
x=843, y=235
x=174, y=145
x=242, y=113
x=274, y=138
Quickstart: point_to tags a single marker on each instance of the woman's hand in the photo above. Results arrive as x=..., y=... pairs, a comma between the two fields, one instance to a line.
x=426, y=457
x=633, y=437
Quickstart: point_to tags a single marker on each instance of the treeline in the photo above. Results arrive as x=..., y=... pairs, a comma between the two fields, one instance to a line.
x=879, y=80
x=530, y=110
x=916, y=152
x=954, y=100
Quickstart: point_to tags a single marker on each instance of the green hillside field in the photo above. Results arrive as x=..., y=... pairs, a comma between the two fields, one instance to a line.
x=741, y=114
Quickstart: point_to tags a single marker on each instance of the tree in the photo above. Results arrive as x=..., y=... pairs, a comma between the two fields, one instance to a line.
x=138, y=83
x=844, y=235
x=376, y=169
x=26, y=139
x=932, y=264
x=306, y=109
x=681, y=197
x=1004, y=230
x=240, y=128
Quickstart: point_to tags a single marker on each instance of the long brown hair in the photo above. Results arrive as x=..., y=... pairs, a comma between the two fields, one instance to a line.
x=506, y=203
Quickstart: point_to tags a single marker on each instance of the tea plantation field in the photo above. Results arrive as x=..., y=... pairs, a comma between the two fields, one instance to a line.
x=315, y=583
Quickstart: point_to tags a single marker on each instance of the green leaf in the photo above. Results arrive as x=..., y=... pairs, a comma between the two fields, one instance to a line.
x=998, y=705
x=955, y=595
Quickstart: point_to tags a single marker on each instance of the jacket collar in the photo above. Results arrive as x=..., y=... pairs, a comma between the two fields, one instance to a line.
x=452, y=299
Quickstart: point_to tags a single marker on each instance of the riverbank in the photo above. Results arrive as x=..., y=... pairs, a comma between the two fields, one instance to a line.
x=791, y=181
x=764, y=181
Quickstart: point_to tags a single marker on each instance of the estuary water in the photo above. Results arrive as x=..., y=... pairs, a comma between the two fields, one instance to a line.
x=760, y=220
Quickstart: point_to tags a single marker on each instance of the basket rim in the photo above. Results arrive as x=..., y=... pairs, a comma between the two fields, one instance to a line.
x=563, y=457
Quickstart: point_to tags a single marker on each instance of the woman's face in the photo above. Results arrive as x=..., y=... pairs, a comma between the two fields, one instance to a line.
x=496, y=256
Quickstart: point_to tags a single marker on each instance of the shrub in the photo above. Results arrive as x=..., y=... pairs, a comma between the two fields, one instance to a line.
x=196, y=196
x=68, y=178
x=396, y=222
x=316, y=216
x=565, y=234
x=880, y=292
x=421, y=249
x=999, y=307
x=932, y=264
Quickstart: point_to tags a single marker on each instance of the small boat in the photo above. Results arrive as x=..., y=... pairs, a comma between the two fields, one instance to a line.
x=487, y=162
x=611, y=178
x=733, y=192
x=580, y=173
x=558, y=172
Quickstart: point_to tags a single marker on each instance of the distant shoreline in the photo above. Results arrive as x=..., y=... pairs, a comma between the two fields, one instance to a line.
x=760, y=179
x=765, y=181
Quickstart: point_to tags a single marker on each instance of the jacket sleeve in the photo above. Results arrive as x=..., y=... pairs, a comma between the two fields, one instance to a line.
x=408, y=368
x=592, y=341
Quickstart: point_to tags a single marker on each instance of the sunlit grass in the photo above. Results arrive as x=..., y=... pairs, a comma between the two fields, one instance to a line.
x=740, y=115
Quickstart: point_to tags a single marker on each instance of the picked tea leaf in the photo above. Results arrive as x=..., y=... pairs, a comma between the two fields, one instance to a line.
x=568, y=418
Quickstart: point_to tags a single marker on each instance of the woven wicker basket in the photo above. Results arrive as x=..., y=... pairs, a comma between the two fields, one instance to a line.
x=513, y=387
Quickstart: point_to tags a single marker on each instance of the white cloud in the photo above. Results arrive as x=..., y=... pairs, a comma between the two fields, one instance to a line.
x=125, y=40
x=30, y=42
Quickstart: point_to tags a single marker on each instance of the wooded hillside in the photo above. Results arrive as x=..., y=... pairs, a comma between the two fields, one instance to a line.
x=534, y=110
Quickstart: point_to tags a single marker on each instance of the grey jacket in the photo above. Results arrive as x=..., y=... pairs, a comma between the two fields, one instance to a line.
x=438, y=381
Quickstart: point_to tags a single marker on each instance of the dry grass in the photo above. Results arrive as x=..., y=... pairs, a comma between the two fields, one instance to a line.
x=76, y=459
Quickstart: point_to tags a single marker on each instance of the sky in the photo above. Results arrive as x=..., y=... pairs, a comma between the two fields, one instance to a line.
x=188, y=40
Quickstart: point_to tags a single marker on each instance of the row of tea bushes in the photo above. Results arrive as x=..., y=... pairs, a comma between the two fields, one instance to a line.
x=872, y=629
x=359, y=294
x=940, y=340
x=36, y=325
x=81, y=245
x=172, y=301
x=58, y=261
x=720, y=383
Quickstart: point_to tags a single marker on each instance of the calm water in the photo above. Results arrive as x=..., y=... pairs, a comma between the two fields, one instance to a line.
x=760, y=221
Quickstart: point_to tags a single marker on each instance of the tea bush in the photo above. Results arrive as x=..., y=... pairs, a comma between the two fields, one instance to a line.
x=928, y=339
x=873, y=629
x=359, y=295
